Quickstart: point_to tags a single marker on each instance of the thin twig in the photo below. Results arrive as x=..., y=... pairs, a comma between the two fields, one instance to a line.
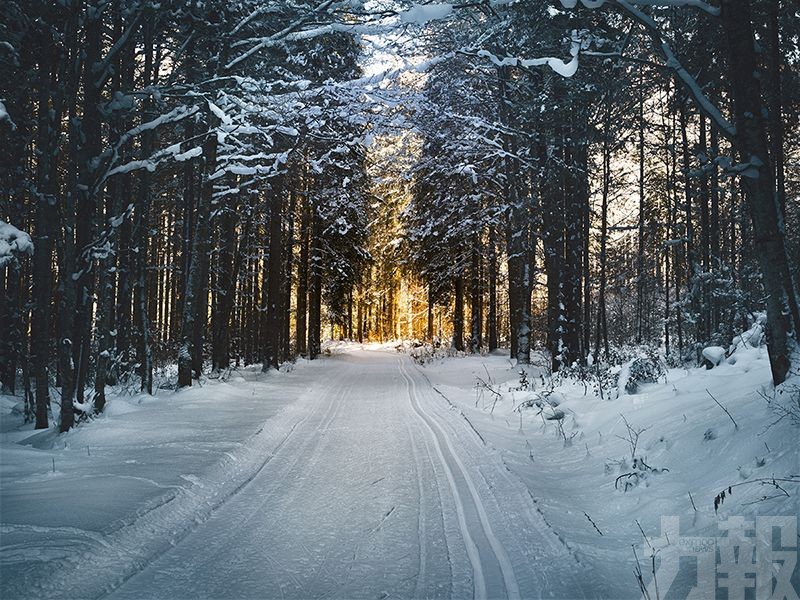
x=735, y=425
x=644, y=535
x=593, y=523
x=637, y=572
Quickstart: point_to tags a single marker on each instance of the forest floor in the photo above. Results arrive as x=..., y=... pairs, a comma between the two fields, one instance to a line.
x=365, y=475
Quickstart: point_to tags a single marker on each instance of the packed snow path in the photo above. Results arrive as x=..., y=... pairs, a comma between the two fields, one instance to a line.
x=379, y=490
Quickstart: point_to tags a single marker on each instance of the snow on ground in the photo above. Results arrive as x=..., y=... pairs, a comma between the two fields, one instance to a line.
x=94, y=502
x=571, y=466
x=365, y=475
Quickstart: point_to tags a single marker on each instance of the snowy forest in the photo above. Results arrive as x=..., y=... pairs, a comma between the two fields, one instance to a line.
x=528, y=203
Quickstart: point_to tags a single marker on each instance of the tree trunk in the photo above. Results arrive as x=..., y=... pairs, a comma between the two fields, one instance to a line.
x=601, y=333
x=302, y=279
x=195, y=312
x=759, y=184
x=230, y=264
x=286, y=296
x=458, y=315
x=705, y=237
x=43, y=241
x=78, y=186
x=492, y=316
x=576, y=198
x=140, y=233
x=715, y=234
x=11, y=325
x=429, y=328
x=274, y=276
x=691, y=259
x=640, y=236
x=476, y=309
x=315, y=286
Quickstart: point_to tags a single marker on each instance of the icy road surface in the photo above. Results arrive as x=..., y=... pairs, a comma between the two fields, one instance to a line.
x=380, y=489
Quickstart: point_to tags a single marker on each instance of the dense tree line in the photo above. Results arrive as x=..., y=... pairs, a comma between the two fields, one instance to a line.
x=182, y=168
x=645, y=198
x=197, y=182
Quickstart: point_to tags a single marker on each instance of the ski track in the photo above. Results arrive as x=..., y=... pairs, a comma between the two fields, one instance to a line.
x=477, y=557
x=368, y=486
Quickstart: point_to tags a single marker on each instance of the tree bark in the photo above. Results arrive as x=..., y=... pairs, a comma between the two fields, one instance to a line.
x=601, y=333
x=458, y=314
x=44, y=238
x=274, y=276
x=302, y=279
x=476, y=299
x=230, y=264
x=195, y=312
x=759, y=183
x=315, y=286
x=492, y=316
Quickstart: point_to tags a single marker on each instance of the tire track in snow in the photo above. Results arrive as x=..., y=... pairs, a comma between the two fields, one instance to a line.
x=140, y=542
x=309, y=446
x=279, y=480
x=421, y=528
x=473, y=552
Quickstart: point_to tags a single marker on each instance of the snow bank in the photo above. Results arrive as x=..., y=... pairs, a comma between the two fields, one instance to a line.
x=595, y=490
x=116, y=491
x=714, y=355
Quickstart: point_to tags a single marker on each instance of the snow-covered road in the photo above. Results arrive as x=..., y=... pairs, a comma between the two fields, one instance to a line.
x=379, y=490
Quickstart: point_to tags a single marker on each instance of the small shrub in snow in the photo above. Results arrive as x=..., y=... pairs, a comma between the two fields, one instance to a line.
x=556, y=415
x=524, y=384
x=640, y=474
x=424, y=353
x=645, y=369
x=639, y=470
x=785, y=401
x=752, y=338
x=625, y=368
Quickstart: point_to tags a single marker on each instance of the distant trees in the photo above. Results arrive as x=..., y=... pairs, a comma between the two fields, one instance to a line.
x=665, y=250
x=195, y=181
x=163, y=158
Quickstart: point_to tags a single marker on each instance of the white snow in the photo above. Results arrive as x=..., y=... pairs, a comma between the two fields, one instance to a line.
x=13, y=242
x=189, y=154
x=366, y=475
x=570, y=465
x=4, y=116
x=561, y=67
x=423, y=13
x=117, y=491
x=714, y=354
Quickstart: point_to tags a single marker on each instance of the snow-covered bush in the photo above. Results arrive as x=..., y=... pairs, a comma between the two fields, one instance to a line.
x=625, y=368
x=714, y=355
x=752, y=338
x=643, y=369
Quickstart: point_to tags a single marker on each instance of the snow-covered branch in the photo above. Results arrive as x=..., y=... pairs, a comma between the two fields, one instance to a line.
x=174, y=116
x=13, y=242
x=687, y=81
x=698, y=4
x=563, y=68
x=279, y=36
